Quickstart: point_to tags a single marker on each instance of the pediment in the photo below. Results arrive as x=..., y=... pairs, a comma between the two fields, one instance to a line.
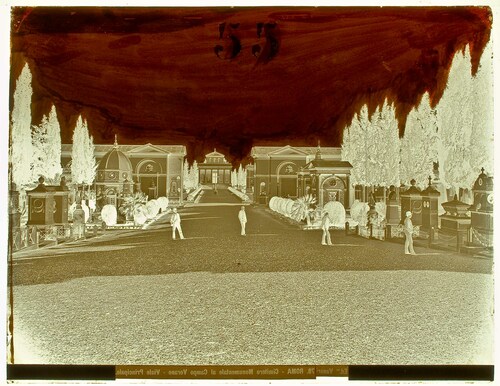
x=148, y=148
x=215, y=154
x=288, y=150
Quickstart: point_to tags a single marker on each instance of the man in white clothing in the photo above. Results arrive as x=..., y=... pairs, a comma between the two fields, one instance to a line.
x=175, y=221
x=242, y=216
x=325, y=225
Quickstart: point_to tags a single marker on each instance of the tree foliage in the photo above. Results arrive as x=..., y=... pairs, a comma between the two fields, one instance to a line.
x=465, y=121
x=191, y=176
x=419, y=145
x=241, y=177
x=371, y=145
x=21, y=153
x=83, y=164
x=46, y=142
x=454, y=113
x=384, y=152
x=482, y=118
x=195, y=173
x=186, y=175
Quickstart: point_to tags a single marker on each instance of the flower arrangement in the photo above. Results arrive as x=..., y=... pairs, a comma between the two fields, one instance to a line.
x=140, y=216
x=302, y=208
x=163, y=203
x=109, y=214
x=129, y=203
x=152, y=209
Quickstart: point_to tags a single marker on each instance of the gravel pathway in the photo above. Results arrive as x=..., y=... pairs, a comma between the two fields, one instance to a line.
x=274, y=297
x=395, y=317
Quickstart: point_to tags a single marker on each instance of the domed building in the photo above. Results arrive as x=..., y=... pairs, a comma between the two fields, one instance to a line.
x=155, y=170
x=114, y=175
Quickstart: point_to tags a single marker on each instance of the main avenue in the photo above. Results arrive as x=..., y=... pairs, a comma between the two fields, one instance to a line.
x=274, y=296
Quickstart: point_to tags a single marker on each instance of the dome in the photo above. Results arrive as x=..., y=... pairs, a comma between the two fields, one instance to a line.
x=115, y=160
x=483, y=182
x=114, y=166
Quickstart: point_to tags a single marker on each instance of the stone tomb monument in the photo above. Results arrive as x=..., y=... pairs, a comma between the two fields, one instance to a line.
x=48, y=204
x=482, y=211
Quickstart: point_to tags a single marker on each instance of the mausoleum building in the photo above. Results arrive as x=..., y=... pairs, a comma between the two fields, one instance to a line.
x=155, y=170
x=293, y=172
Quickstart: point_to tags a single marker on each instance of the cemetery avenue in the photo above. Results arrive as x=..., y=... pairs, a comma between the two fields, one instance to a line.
x=274, y=296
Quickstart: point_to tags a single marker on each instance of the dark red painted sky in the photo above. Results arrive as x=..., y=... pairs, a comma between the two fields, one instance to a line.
x=153, y=75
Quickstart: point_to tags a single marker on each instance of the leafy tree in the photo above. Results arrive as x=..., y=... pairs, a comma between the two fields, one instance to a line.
x=195, y=173
x=83, y=164
x=371, y=145
x=383, y=152
x=90, y=162
x=186, y=176
x=78, y=153
x=46, y=142
x=482, y=115
x=419, y=145
x=21, y=153
x=241, y=178
x=234, y=178
x=39, y=139
x=355, y=145
x=455, y=113
x=54, y=168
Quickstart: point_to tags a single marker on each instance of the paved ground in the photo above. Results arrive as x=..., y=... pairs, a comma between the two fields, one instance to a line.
x=222, y=196
x=276, y=296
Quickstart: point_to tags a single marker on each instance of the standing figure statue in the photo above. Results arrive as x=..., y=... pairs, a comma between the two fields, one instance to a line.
x=175, y=221
x=78, y=222
x=408, y=231
x=242, y=216
x=325, y=225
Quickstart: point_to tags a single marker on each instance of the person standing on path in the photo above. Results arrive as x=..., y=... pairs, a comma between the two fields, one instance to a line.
x=79, y=222
x=242, y=216
x=175, y=221
x=325, y=225
x=408, y=231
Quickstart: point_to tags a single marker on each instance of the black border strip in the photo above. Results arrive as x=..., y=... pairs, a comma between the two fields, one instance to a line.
x=356, y=373
x=61, y=372
x=421, y=373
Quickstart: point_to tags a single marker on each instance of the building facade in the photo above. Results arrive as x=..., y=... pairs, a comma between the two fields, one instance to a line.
x=296, y=171
x=215, y=169
x=155, y=170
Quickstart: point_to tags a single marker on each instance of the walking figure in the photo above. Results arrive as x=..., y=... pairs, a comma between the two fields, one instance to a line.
x=408, y=231
x=325, y=225
x=242, y=216
x=79, y=222
x=175, y=221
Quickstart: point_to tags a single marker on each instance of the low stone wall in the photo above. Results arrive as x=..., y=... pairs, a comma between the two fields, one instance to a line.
x=243, y=196
x=191, y=197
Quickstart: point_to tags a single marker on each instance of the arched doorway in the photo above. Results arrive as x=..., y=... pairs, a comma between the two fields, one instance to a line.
x=150, y=178
x=287, y=179
x=333, y=189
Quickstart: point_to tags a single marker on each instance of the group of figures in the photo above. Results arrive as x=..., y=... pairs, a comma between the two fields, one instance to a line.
x=326, y=239
x=175, y=222
x=326, y=223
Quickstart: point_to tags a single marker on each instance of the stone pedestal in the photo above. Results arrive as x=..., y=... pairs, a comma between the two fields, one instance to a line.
x=48, y=204
x=455, y=219
x=41, y=205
